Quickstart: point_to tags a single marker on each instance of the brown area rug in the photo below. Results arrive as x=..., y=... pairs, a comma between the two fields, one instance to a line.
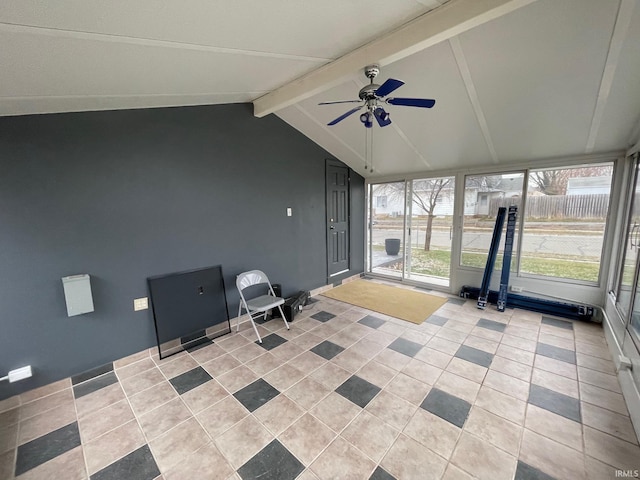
x=396, y=302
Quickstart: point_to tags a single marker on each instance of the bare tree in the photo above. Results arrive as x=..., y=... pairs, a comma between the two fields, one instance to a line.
x=554, y=182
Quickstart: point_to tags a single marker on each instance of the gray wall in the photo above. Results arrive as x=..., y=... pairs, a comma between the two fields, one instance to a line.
x=125, y=195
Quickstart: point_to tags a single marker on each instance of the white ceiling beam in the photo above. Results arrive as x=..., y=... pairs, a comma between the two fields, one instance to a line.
x=623, y=20
x=443, y=23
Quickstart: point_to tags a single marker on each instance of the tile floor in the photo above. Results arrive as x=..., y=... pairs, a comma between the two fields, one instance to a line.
x=346, y=393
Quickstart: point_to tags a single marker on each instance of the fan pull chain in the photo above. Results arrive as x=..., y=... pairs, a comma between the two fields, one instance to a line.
x=366, y=149
x=371, y=149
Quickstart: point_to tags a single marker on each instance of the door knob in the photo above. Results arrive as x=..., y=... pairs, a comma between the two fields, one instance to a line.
x=332, y=227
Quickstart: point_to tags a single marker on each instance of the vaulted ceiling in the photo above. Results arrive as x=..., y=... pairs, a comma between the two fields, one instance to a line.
x=514, y=80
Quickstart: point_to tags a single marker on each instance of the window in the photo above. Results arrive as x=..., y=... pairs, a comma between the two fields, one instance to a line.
x=381, y=201
x=564, y=221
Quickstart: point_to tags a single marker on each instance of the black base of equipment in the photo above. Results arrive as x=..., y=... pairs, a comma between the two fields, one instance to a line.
x=540, y=305
x=292, y=305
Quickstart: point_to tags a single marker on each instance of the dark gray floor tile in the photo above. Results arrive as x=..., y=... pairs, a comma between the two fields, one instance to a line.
x=358, y=390
x=192, y=337
x=491, y=325
x=446, y=406
x=527, y=472
x=45, y=448
x=556, y=353
x=271, y=341
x=406, y=347
x=437, y=320
x=273, y=462
x=555, y=402
x=372, y=321
x=323, y=316
x=138, y=465
x=256, y=394
x=456, y=301
x=381, y=474
x=90, y=386
x=89, y=374
x=554, y=322
x=190, y=380
x=327, y=349
x=473, y=355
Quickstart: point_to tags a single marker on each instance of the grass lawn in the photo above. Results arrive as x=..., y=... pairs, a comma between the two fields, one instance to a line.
x=436, y=263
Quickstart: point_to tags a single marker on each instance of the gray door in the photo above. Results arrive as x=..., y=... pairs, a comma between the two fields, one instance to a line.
x=337, y=219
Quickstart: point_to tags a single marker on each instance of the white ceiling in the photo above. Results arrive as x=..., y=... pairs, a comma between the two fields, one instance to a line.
x=514, y=80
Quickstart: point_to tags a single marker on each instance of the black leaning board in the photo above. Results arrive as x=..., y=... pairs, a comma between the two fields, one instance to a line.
x=491, y=258
x=187, y=304
x=512, y=215
x=540, y=305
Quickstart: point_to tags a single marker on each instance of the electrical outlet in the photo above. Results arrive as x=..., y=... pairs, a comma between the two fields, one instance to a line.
x=20, y=374
x=140, y=304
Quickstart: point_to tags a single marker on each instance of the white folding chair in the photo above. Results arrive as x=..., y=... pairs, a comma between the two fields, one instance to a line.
x=260, y=304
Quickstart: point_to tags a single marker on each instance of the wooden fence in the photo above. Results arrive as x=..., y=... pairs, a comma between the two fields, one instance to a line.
x=560, y=206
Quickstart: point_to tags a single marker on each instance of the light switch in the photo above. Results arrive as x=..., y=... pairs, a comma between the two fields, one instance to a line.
x=289, y=213
x=141, y=303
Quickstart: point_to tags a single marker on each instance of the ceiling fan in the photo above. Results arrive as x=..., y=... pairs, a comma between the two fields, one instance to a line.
x=373, y=94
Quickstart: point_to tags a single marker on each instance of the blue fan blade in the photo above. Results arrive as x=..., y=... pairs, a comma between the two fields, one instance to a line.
x=412, y=102
x=345, y=115
x=341, y=101
x=382, y=117
x=389, y=86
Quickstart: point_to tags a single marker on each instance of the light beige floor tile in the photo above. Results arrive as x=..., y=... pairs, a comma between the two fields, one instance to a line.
x=421, y=371
x=9, y=417
x=485, y=461
x=206, y=354
x=113, y=445
x=237, y=378
x=221, y=416
x=410, y=460
x=443, y=345
x=307, y=393
x=596, y=470
x=487, y=334
x=278, y=414
x=46, y=422
x=554, y=426
x=142, y=381
x=517, y=331
x=452, y=335
x=603, y=398
x=307, y=340
x=342, y=460
x=370, y=435
x=247, y=352
x=49, y=402
x=8, y=438
x=611, y=450
x=511, y=368
x=392, y=359
x=40, y=392
x=376, y=373
x=243, y=441
x=135, y=368
x=494, y=429
x=516, y=354
x=433, y=432
x=335, y=411
x=178, y=366
x=221, y=365
x=555, y=382
x=599, y=379
x=68, y=466
x=556, y=341
x=381, y=338
x=231, y=341
x=595, y=363
x=366, y=348
x=330, y=375
x=609, y=422
x=206, y=462
x=181, y=441
x=306, y=438
x=481, y=344
x=100, y=422
x=204, y=396
x=99, y=399
x=556, y=366
x=454, y=473
x=350, y=361
x=264, y=364
x=284, y=377
x=391, y=409
x=9, y=403
x=468, y=370
x=458, y=386
x=600, y=351
x=551, y=457
x=307, y=362
x=507, y=384
x=160, y=420
x=434, y=357
x=151, y=398
x=408, y=388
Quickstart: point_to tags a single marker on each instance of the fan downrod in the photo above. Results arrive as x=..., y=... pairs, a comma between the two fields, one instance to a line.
x=368, y=92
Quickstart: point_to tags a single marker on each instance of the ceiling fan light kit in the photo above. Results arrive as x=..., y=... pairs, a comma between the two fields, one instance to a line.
x=372, y=95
